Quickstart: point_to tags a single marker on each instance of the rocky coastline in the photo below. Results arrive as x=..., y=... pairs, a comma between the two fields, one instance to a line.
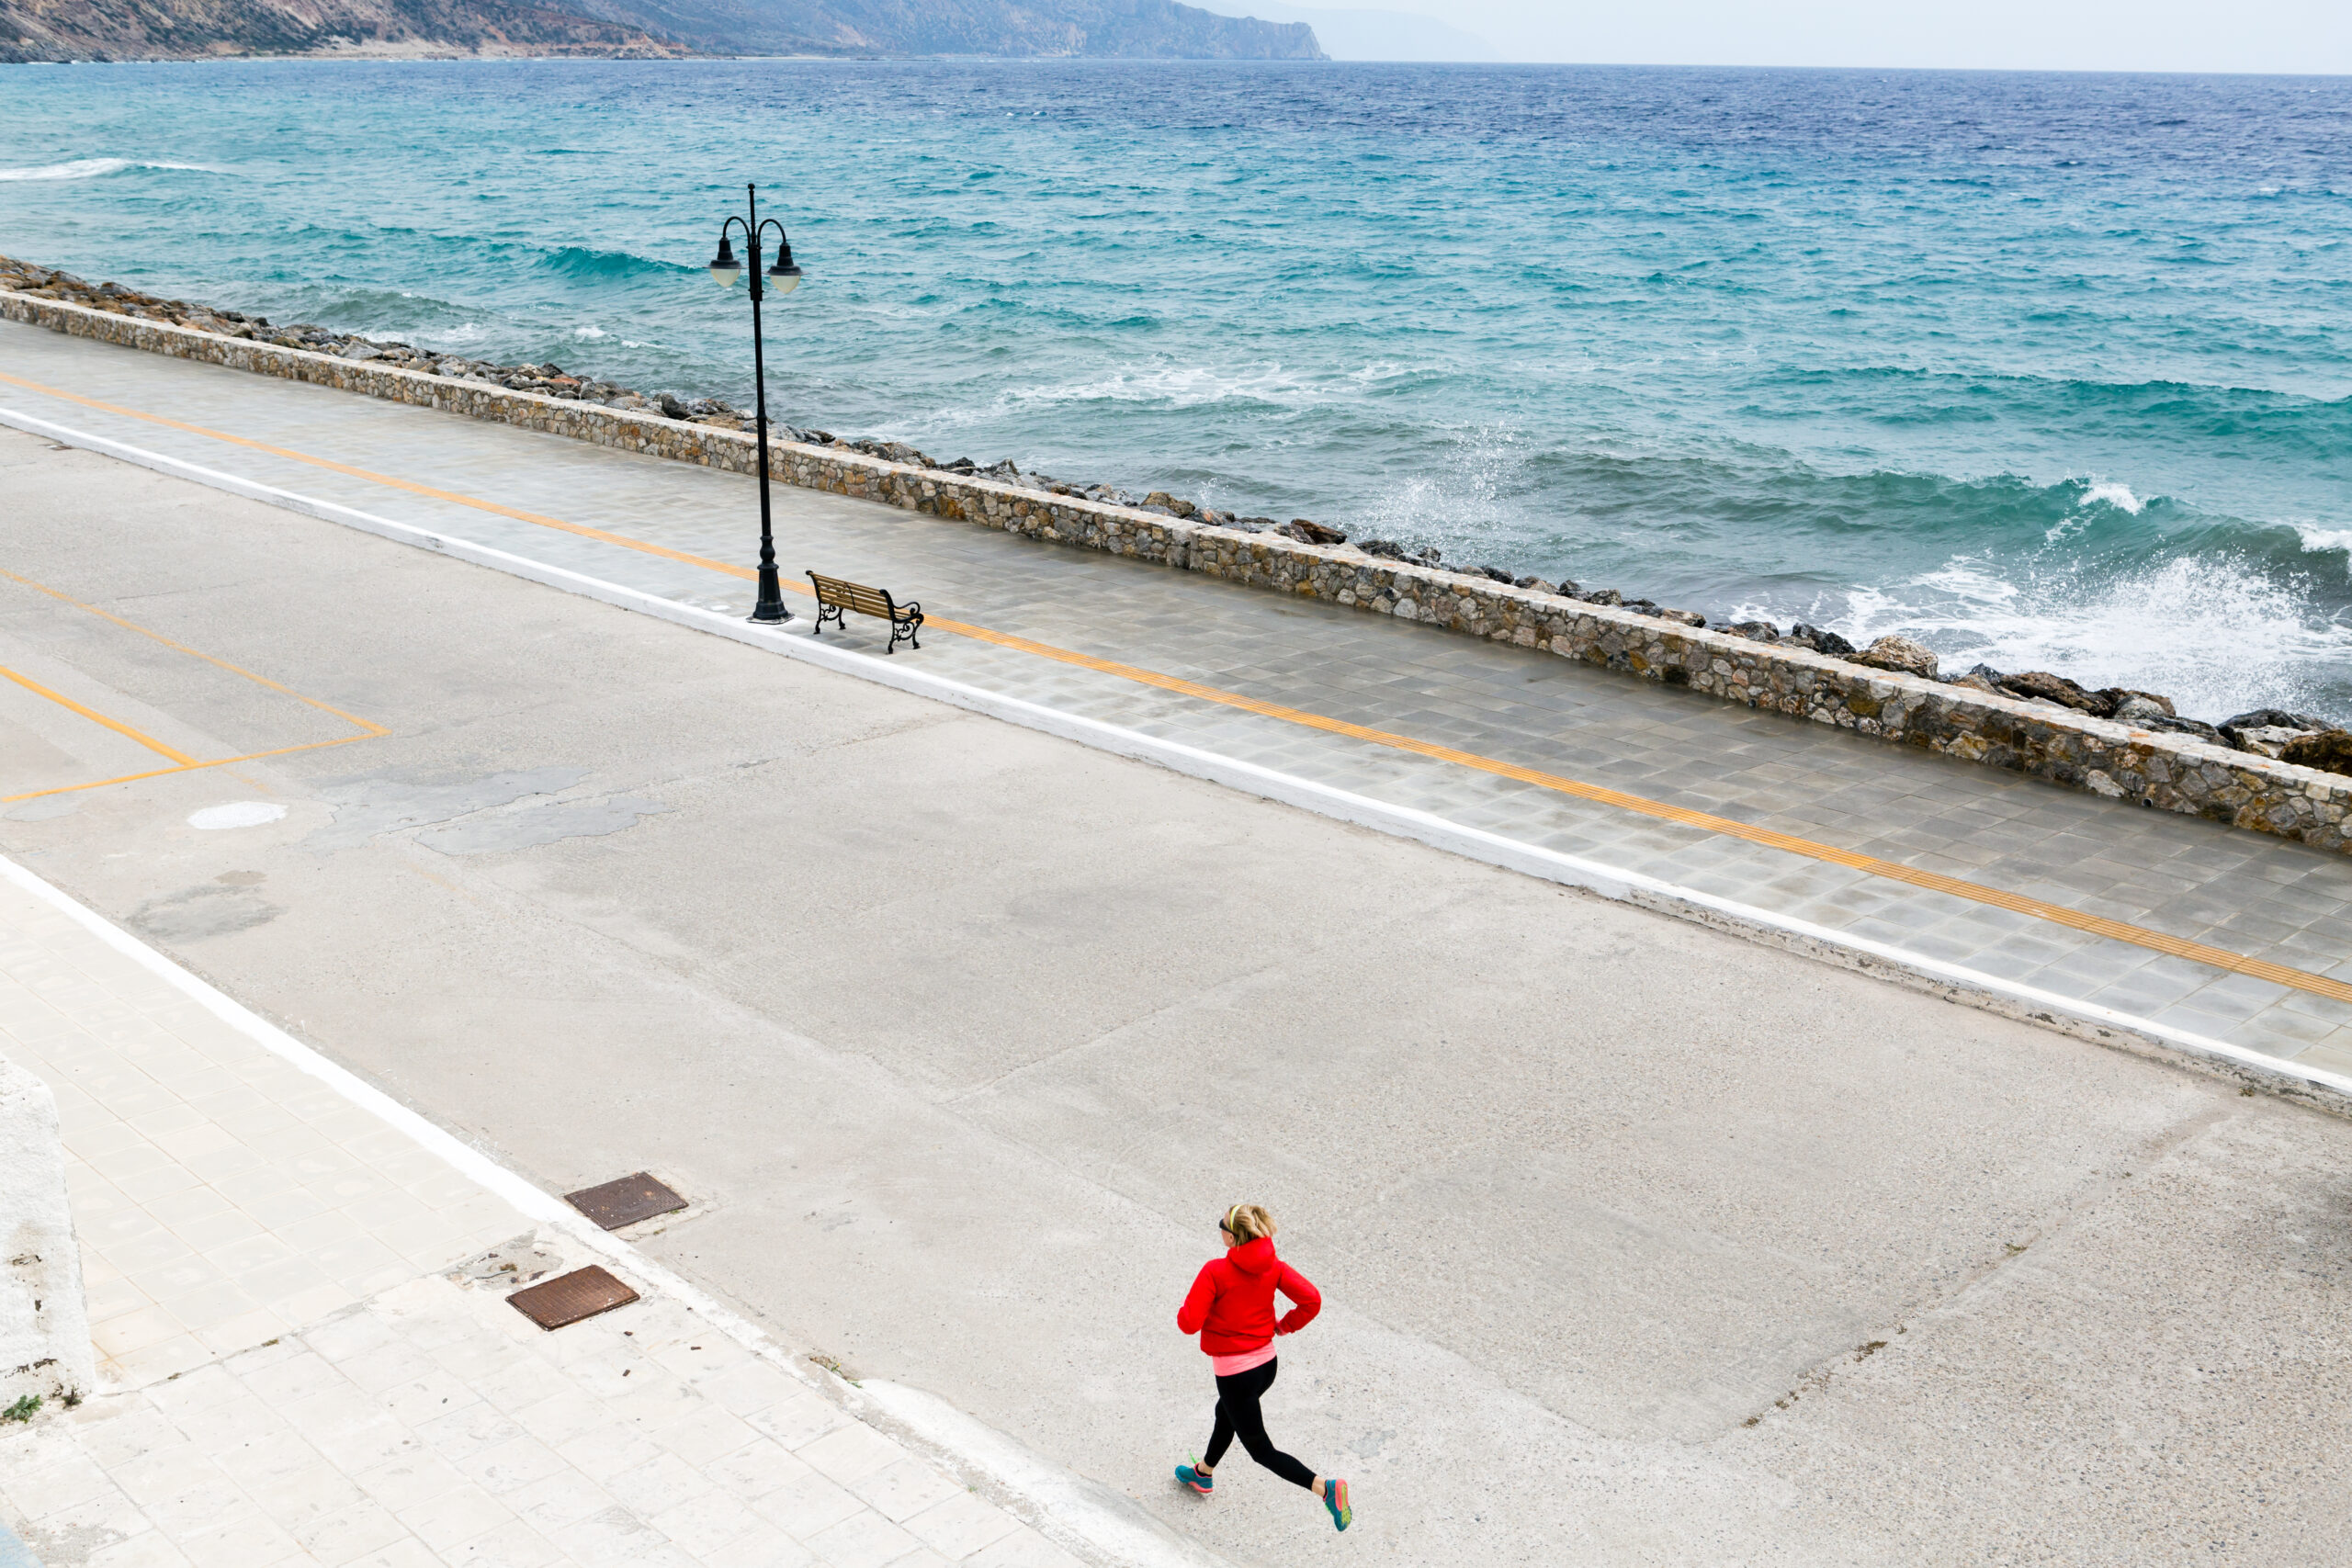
x=52, y=32
x=2304, y=739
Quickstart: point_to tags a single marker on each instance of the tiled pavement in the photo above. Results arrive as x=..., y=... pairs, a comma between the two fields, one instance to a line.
x=2244, y=893
x=298, y=1368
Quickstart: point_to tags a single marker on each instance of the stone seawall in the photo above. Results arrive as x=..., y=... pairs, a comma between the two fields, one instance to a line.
x=2042, y=740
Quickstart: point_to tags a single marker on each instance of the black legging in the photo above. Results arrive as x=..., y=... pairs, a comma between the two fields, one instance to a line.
x=1236, y=1411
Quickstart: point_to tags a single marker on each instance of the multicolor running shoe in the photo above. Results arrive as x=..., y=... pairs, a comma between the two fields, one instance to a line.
x=1335, y=1497
x=1195, y=1480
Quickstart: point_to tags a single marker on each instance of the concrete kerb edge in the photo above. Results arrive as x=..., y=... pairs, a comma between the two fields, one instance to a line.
x=2085, y=1020
x=2072, y=751
x=1105, y=1524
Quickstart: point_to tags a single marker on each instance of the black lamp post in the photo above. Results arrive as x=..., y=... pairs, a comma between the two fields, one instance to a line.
x=785, y=276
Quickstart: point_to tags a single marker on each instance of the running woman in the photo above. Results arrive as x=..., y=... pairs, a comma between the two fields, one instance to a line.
x=1231, y=1307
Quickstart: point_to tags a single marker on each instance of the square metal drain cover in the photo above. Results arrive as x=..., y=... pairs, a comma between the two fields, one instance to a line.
x=567, y=1298
x=626, y=1201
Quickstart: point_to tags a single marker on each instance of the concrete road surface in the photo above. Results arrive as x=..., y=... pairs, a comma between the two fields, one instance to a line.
x=1640, y=1243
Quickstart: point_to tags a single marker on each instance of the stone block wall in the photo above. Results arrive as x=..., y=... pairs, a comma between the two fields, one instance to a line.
x=2171, y=771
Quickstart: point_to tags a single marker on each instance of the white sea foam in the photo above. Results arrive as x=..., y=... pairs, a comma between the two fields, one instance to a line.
x=2212, y=632
x=589, y=334
x=1178, y=385
x=2321, y=541
x=81, y=169
x=1458, y=499
x=2116, y=495
x=92, y=168
x=2096, y=493
x=1167, y=385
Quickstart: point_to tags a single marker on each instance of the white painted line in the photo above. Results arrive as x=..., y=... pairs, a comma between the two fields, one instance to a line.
x=2004, y=995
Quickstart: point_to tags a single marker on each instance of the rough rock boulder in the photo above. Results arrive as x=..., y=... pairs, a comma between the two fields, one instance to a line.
x=2329, y=751
x=1899, y=654
x=2042, y=685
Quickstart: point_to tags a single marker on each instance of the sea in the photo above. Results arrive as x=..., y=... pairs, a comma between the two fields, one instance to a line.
x=2048, y=371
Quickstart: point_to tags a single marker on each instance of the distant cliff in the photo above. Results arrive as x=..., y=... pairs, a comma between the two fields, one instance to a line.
x=186, y=29
x=181, y=29
x=1098, y=29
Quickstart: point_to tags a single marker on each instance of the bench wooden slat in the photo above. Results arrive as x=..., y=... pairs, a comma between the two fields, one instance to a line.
x=836, y=594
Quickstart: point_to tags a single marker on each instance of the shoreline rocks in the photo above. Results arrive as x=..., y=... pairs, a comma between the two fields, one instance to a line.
x=2266, y=732
x=1899, y=654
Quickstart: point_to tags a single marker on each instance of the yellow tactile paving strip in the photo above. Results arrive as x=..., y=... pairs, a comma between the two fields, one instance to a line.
x=182, y=761
x=1892, y=871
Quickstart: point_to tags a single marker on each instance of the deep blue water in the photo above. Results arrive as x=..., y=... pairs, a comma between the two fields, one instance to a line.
x=2050, y=370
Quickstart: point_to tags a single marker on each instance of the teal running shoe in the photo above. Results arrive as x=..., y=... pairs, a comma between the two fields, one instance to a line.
x=1335, y=1497
x=1195, y=1480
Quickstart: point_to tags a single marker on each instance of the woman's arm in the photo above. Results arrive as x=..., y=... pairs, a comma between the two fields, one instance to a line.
x=1194, y=1312
x=1301, y=1290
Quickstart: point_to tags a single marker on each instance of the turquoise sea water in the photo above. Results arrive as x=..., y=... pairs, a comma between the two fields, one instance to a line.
x=2047, y=370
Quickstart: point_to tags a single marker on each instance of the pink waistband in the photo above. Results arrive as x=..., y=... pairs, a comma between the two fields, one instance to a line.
x=1228, y=1365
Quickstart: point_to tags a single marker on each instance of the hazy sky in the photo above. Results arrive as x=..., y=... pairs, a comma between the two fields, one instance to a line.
x=2066, y=35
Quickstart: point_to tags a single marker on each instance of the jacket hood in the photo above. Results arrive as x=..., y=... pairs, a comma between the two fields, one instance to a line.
x=1255, y=1256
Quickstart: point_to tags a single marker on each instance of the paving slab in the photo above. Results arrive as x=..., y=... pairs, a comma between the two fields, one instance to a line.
x=309, y=1356
x=962, y=1035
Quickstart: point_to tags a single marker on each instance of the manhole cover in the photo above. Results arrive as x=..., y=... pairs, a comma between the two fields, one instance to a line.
x=567, y=1298
x=626, y=1201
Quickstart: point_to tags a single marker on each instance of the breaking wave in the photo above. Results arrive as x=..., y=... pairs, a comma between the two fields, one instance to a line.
x=94, y=168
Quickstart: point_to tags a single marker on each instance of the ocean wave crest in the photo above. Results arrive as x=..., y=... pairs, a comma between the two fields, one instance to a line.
x=582, y=264
x=93, y=168
x=2326, y=541
x=2103, y=493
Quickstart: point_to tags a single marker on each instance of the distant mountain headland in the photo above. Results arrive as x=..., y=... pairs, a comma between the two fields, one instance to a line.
x=193, y=30
x=198, y=29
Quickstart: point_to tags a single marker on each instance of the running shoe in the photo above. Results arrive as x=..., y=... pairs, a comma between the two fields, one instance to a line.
x=1195, y=1480
x=1335, y=1497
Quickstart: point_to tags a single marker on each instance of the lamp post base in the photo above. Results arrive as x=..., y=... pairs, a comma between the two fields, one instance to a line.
x=770, y=610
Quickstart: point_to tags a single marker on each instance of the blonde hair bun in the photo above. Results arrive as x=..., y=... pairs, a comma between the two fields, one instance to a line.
x=1247, y=1222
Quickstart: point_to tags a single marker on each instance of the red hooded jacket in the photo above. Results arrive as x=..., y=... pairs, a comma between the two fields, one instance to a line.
x=1231, y=1303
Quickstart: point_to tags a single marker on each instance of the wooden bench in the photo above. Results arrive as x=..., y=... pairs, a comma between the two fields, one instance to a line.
x=835, y=595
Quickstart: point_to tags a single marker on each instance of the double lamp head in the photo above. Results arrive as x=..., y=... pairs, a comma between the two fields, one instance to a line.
x=784, y=276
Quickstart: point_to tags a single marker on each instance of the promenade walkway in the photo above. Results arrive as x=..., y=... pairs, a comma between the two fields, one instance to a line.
x=2066, y=893
x=307, y=1355
x=1640, y=1242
